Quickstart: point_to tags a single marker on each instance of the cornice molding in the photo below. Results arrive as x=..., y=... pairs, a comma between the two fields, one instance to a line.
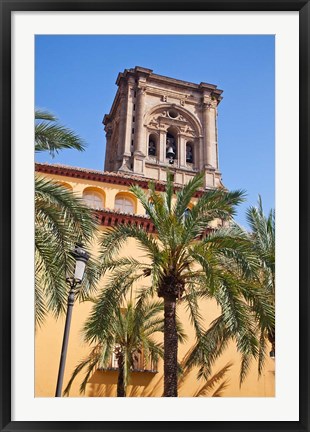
x=119, y=178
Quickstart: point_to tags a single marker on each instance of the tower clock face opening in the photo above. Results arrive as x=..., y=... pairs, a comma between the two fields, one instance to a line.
x=173, y=113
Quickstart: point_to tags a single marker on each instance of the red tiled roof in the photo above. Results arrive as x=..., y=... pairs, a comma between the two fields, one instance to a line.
x=109, y=217
x=96, y=175
x=118, y=177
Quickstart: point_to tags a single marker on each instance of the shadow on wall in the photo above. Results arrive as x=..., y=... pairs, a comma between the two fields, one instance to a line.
x=103, y=383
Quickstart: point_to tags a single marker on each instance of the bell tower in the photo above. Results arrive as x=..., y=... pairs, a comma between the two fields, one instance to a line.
x=157, y=122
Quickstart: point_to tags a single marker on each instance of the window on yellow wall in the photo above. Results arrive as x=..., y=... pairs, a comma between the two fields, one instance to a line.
x=66, y=185
x=93, y=199
x=114, y=361
x=124, y=205
x=139, y=363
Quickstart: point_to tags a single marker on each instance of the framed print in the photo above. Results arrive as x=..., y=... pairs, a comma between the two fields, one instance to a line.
x=172, y=69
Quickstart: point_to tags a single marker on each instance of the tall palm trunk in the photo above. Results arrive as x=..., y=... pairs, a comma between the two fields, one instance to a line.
x=121, y=392
x=170, y=348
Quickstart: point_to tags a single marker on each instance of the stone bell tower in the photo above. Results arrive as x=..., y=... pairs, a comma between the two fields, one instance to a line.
x=157, y=122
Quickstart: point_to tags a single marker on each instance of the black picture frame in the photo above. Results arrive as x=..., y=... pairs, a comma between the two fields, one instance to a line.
x=7, y=7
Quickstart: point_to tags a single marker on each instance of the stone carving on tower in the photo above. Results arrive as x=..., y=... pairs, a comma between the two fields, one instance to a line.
x=158, y=122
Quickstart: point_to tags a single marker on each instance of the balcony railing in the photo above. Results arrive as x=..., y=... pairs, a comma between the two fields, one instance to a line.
x=140, y=364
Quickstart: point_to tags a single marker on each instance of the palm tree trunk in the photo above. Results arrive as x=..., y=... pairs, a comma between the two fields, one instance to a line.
x=170, y=348
x=120, y=380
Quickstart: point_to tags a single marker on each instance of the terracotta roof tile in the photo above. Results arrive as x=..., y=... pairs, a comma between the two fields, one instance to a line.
x=104, y=176
x=118, y=174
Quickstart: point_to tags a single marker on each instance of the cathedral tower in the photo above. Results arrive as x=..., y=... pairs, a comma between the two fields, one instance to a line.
x=157, y=122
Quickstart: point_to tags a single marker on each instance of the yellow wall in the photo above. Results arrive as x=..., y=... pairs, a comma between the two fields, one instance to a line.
x=109, y=191
x=103, y=383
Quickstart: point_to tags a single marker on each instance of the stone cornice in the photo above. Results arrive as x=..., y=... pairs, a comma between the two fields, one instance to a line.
x=149, y=76
x=119, y=178
x=168, y=93
x=94, y=175
x=145, y=77
x=107, y=117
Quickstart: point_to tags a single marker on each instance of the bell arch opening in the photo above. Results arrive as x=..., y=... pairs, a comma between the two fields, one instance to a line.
x=190, y=152
x=153, y=145
x=172, y=143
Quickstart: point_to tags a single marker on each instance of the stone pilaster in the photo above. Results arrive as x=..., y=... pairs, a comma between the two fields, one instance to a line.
x=138, y=140
x=162, y=146
x=200, y=154
x=129, y=118
x=209, y=135
x=182, y=150
x=216, y=142
x=122, y=123
x=107, y=163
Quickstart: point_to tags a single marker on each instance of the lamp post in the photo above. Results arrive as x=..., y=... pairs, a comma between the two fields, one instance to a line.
x=81, y=258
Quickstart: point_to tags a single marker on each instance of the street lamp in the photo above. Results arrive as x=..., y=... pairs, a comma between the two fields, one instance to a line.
x=81, y=257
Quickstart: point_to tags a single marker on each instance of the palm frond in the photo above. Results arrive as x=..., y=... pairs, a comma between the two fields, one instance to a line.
x=112, y=240
x=207, y=349
x=185, y=195
x=169, y=191
x=61, y=220
x=52, y=137
x=108, y=301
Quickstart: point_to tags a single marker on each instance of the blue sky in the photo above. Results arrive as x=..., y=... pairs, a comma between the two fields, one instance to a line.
x=75, y=79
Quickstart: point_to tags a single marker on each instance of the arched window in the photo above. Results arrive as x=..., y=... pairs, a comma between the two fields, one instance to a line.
x=66, y=185
x=124, y=204
x=152, y=148
x=189, y=152
x=93, y=199
x=171, y=142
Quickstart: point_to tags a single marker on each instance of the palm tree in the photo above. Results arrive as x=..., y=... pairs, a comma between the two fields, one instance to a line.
x=128, y=335
x=185, y=263
x=61, y=220
x=263, y=240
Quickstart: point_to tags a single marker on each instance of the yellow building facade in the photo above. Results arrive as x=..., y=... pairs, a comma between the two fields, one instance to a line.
x=112, y=190
x=155, y=122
